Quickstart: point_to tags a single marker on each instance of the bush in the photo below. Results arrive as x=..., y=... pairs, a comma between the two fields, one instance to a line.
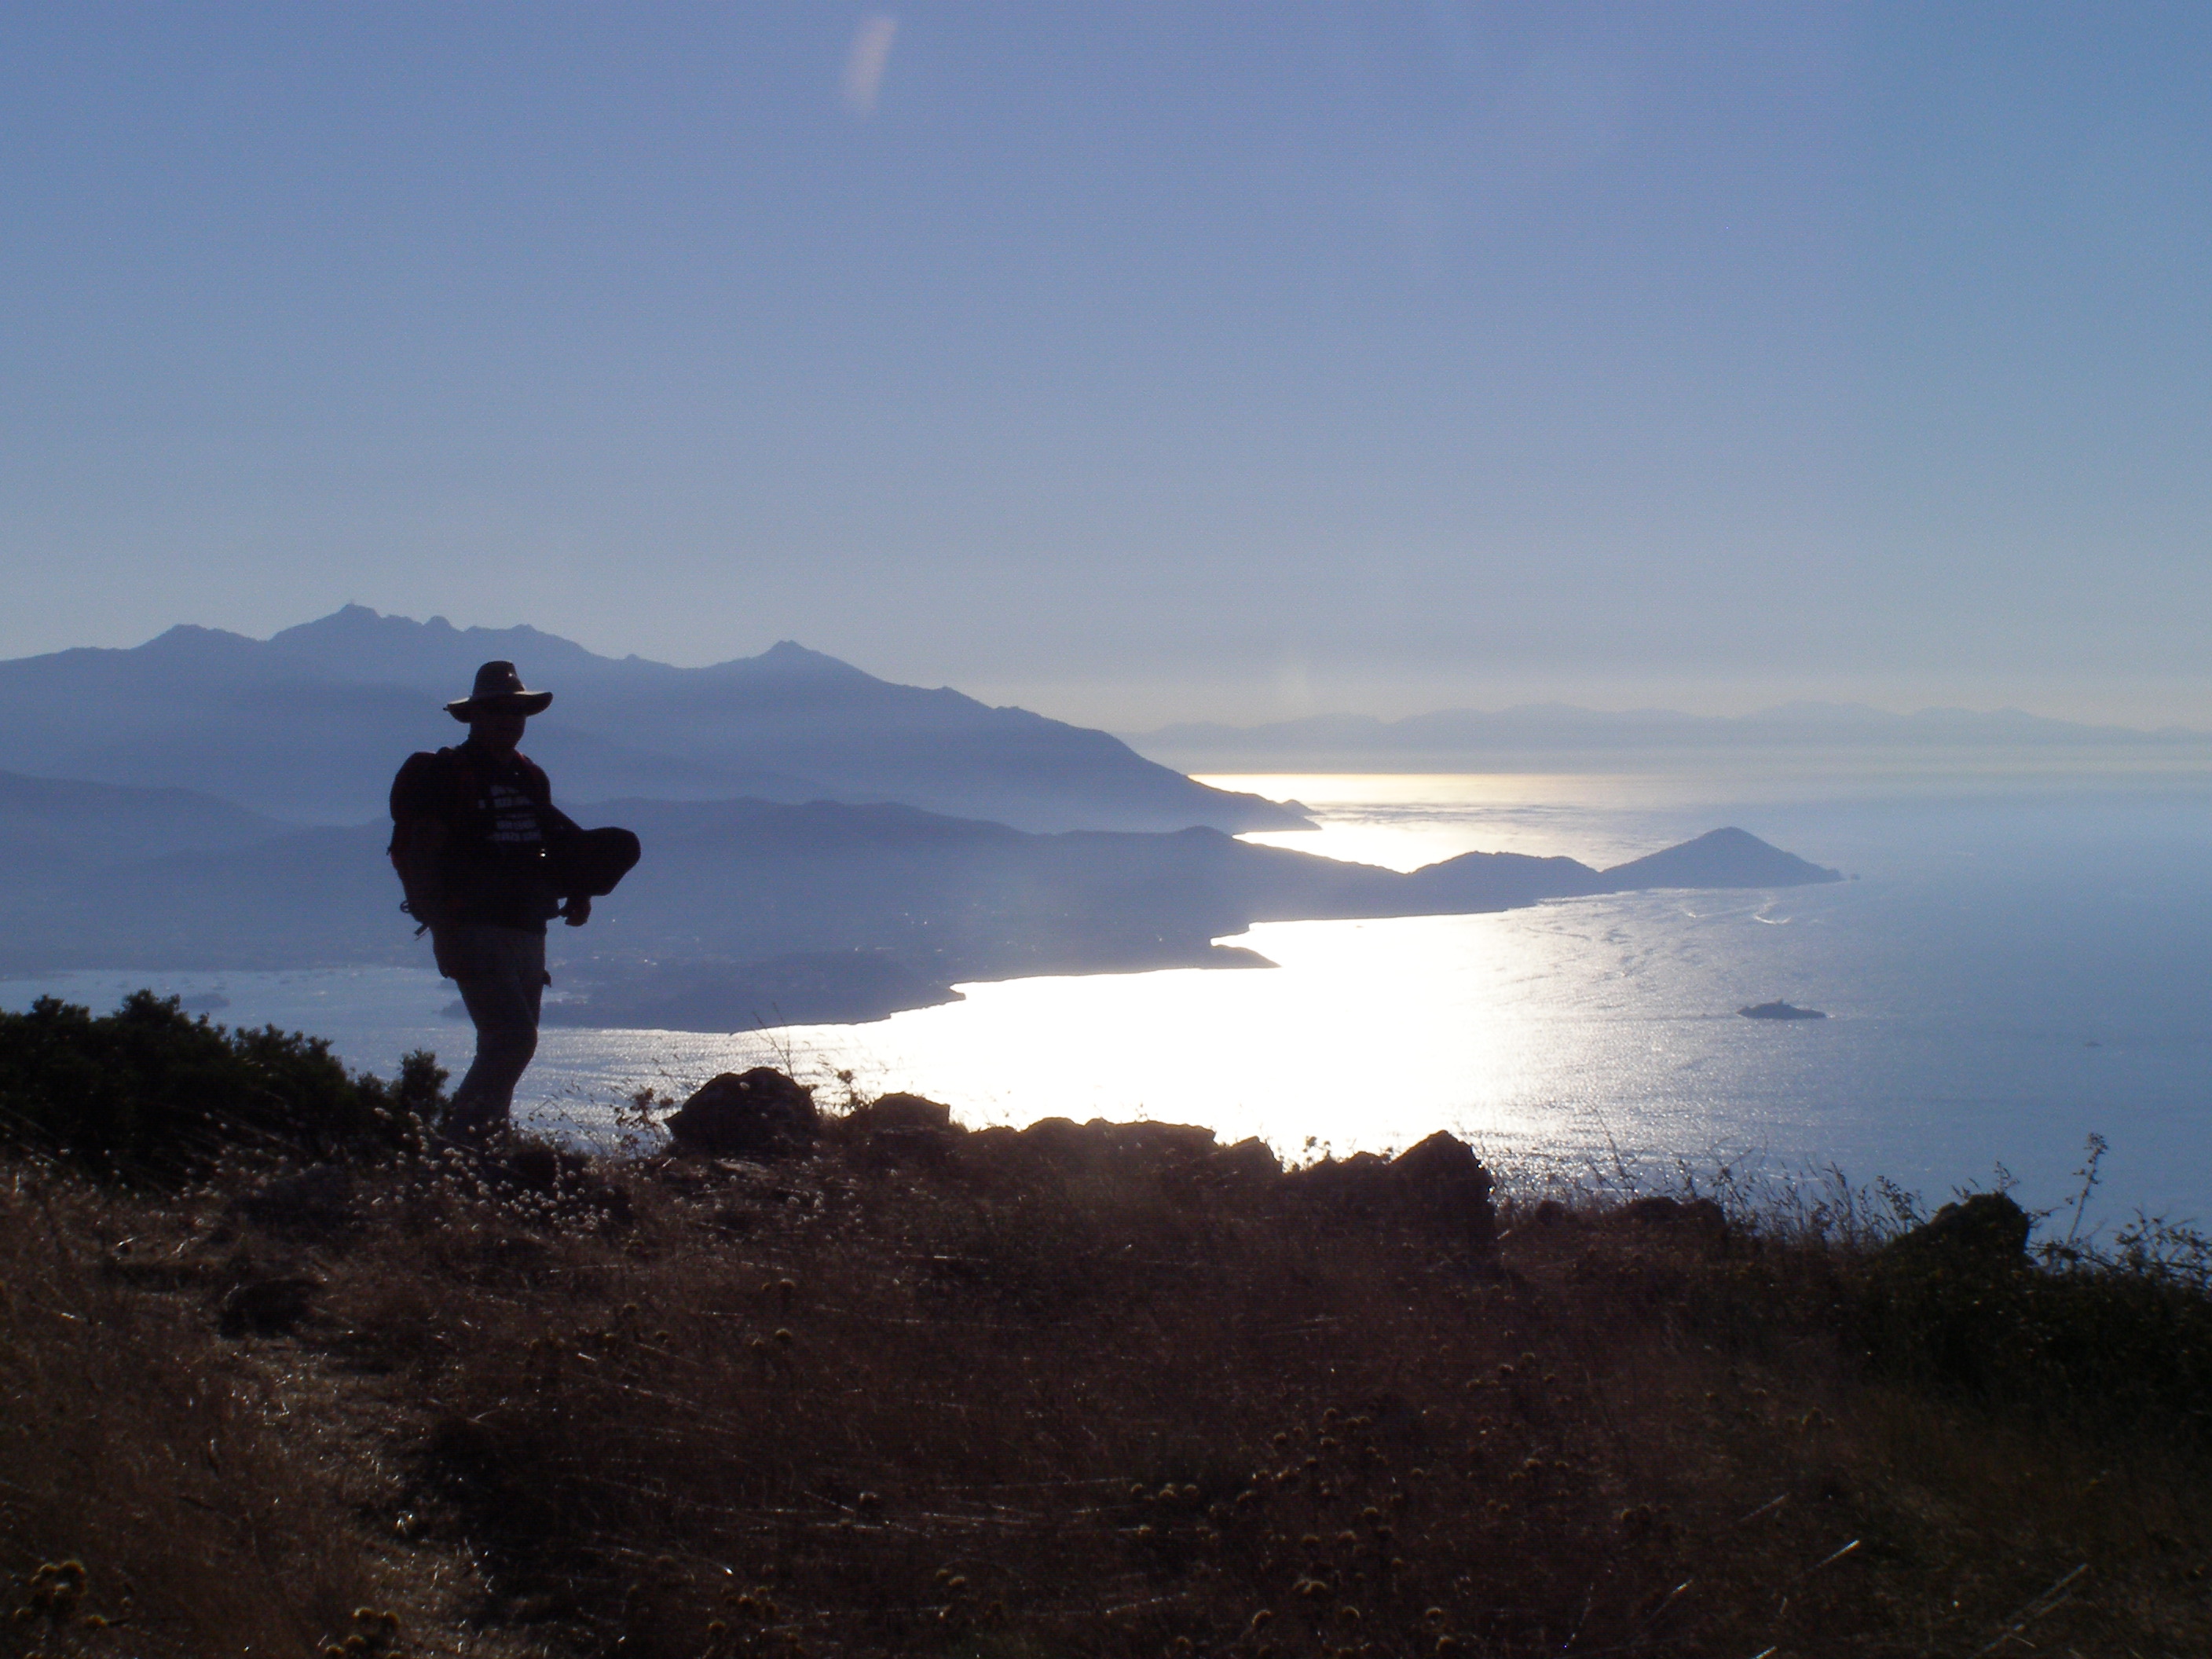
x=149, y=1088
x=2122, y=1345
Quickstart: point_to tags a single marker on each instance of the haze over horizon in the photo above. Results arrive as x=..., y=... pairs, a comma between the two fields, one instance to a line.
x=1812, y=710
x=1135, y=365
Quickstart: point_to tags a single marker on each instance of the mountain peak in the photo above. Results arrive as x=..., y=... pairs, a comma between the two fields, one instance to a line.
x=791, y=651
x=309, y=725
x=188, y=643
x=358, y=644
x=788, y=659
x=354, y=621
x=1719, y=857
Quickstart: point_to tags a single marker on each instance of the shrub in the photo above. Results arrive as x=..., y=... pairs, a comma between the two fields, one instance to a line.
x=2121, y=1345
x=151, y=1090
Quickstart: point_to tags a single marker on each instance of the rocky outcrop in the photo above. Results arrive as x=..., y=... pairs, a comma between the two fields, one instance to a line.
x=1986, y=1233
x=1249, y=1160
x=1438, y=1187
x=902, y=1114
x=900, y=1128
x=1074, y=1148
x=1439, y=1183
x=760, y=1113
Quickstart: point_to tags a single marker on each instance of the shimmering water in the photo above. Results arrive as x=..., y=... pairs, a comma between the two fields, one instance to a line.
x=2025, y=958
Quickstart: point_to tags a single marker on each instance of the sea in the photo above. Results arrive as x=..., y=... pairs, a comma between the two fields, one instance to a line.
x=2020, y=960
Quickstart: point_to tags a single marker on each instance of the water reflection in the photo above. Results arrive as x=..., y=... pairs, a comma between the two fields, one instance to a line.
x=2014, y=970
x=1514, y=1030
x=1402, y=821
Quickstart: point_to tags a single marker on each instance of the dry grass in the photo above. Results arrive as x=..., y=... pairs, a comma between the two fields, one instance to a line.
x=136, y=1442
x=988, y=1398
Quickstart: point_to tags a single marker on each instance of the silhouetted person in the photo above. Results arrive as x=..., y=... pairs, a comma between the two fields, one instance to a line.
x=487, y=860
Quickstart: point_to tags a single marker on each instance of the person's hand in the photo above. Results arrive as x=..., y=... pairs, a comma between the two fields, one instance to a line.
x=577, y=911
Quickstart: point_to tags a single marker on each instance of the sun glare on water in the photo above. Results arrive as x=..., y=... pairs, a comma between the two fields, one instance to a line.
x=1517, y=1030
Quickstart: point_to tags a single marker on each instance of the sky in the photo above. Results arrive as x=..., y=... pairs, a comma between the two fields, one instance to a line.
x=1134, y=362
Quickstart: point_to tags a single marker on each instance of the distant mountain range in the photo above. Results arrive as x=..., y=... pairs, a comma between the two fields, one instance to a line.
x=308, y=726
x=1327, y=742
x=49, y=823
x=820, y=845
x=746, y=912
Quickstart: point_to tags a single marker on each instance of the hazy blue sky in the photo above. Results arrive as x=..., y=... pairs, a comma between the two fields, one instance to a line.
x=1133, y=360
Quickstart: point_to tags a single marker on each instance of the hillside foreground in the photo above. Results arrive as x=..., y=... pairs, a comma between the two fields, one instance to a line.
x=286, y=1378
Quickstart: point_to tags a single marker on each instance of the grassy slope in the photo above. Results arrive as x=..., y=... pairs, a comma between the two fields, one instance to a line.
x=967, y=1398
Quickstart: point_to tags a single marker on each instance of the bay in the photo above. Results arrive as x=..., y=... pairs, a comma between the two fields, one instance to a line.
x=2024, y=958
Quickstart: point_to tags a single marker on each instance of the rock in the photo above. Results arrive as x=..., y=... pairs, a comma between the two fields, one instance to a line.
x=1155, y=1143
x=760, y=1113
x=1443, y=1161
x=1059, y=1141
x=1442, y=1178
x=903, y=1112
x=267, y=1307
x=1251, y=1159
x=1355, y=1183
x=1987, y=1232
x=1439, y=1184
x=1705, y=1218
x=1436, y=1184
x=1069, y=1146
x=1698, y=1220
x=902, y=1127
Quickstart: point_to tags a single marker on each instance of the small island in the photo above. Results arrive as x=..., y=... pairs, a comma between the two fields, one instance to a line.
x=1779, y=1010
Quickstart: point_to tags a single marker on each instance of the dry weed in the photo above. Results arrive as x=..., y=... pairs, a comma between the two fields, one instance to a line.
x=982, y=1397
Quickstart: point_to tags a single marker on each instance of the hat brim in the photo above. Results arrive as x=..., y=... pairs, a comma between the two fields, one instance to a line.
x=506, y=703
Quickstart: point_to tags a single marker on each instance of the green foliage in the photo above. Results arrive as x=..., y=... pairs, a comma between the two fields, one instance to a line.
x=2120, y=1342
x=151, y=1090
x=415, y=1098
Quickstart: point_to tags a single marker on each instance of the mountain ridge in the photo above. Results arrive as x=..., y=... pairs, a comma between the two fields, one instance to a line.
x=310, y=725
x=843, y=911
x=63, y=822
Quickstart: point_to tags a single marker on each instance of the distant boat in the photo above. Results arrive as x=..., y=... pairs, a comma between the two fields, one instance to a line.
x=1780, y=1010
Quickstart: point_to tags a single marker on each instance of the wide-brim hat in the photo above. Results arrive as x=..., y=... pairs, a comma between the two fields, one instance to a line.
x=498, y=691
